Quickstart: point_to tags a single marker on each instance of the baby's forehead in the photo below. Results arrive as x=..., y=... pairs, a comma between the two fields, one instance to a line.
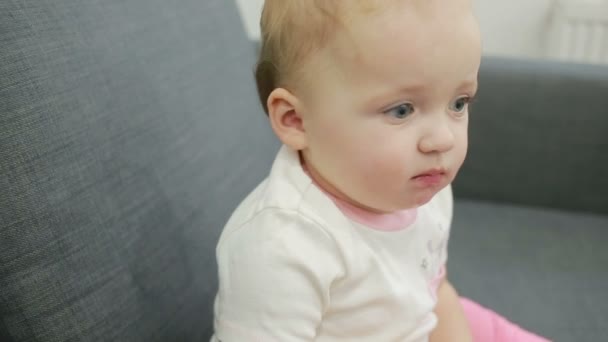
x=427, y=45
x=397, y=38
x=406, y=33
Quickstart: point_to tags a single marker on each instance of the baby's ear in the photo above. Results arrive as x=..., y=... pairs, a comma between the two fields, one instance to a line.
x=284, y=112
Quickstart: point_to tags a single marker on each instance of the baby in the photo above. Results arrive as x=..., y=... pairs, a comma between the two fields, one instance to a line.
x=346, y=239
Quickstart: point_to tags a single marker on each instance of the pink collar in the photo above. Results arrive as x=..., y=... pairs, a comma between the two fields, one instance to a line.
x=389, y=222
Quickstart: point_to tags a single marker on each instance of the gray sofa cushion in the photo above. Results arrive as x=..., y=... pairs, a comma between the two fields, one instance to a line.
x=544, y=269
x=122, y=130
x=538, y=135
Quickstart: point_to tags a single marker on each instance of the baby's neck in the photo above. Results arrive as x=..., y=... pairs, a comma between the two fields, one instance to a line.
x=392, y=221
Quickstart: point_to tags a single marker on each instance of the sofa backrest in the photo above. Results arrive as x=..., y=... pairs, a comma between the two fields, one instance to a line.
x=129, y=130
x=538, y=135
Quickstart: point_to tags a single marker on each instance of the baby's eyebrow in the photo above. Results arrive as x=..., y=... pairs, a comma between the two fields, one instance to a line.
x=412, y=88
x=415, y=88
x=472, y=83
x=385, y=95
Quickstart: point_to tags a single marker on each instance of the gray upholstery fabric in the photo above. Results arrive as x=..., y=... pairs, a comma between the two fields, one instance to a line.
x=539, y=135
x=542, y=268
x=129, y=130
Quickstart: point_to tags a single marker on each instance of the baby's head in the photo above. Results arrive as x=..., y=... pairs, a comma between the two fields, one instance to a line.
x=374, y=94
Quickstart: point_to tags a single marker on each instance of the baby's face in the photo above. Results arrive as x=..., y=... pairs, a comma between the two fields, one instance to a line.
x=386, y=114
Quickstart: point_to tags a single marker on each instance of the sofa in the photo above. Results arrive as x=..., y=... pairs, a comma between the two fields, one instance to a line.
x=130, y=129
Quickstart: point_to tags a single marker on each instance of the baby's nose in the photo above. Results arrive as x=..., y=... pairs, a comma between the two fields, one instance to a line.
x=440, y=138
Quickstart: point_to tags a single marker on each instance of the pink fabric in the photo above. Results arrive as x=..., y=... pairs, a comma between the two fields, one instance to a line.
x=487, y=326
x=434, y=285
x=386, y=222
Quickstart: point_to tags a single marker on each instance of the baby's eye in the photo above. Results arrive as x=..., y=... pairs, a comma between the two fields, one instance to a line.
x=460, y=104
x=401, y=111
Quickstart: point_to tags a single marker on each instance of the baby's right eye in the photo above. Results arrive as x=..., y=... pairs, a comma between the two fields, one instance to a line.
x=401, y=111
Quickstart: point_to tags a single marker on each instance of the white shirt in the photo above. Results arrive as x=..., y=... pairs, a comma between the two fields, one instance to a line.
x=293, y=267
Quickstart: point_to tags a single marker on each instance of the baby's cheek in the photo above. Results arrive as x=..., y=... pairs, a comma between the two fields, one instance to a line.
x=369, y=163
x=386, y=174
x=462, y=143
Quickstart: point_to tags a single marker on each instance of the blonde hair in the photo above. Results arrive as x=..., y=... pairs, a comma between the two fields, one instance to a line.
x=291, y=30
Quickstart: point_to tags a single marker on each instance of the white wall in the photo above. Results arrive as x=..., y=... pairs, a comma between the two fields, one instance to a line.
x=250, y=13
x=514, y=28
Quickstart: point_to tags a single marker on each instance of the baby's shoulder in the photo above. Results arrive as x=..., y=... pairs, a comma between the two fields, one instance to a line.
x=279, y=239
x=279, y=214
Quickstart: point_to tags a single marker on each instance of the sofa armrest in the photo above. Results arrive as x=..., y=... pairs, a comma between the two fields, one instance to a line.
x=539, y=135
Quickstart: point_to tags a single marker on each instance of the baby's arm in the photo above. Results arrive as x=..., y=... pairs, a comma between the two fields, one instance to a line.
x=452, y=324
x=275, y=273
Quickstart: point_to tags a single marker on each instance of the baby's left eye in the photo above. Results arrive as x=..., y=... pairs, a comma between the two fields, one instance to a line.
x=460, y=104
x=402, y=111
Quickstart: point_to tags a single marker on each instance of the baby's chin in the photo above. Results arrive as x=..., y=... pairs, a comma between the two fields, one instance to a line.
x=408, y=199
x=416, y=200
